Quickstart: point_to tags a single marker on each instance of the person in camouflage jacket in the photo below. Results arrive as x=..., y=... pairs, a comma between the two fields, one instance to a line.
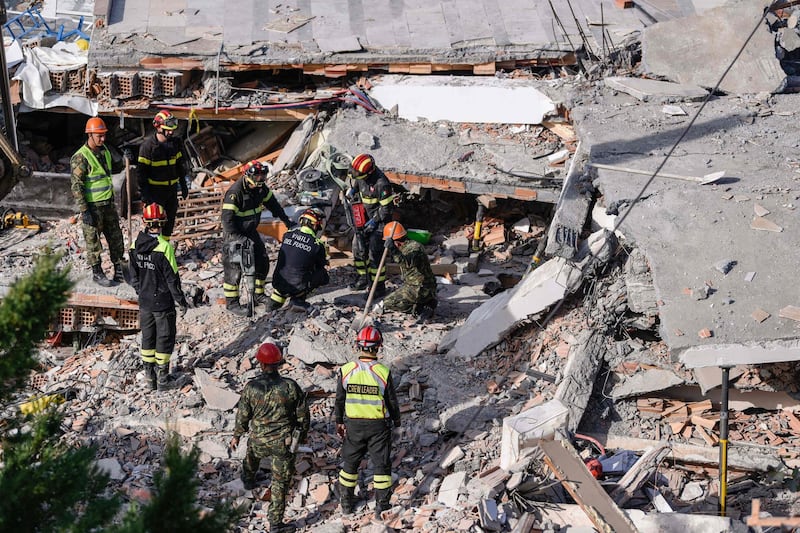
x=271, y=408
x=417, y=295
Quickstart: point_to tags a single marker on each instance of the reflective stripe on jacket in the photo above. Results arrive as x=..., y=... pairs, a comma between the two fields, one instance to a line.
x=365, y=384
x=98, y=185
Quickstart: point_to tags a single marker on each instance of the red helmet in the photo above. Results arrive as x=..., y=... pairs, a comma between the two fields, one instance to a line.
x=362, y=166
x=312, y=218
x=154, y=214
x=369, y=339
x=269, y=354
x=255, y=172
x=165, y=120
x=96, y=125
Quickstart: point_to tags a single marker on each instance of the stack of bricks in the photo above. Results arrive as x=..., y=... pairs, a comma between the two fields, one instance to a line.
x=172, y=83
x=150, y=83
x=76, y=80
x=108, y=84
x=58, y=80
x=127, y=84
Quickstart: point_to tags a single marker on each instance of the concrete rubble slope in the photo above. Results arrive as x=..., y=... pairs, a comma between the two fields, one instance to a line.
x=693, y=233
x=697, y=50
x=477, y=163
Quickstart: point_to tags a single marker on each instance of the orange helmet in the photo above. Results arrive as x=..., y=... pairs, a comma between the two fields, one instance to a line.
x=269, y=354
x=165, y=120
x=96, y=125
x=362, y=166
x=154, y=214
x=369, y=339
x=394, y=231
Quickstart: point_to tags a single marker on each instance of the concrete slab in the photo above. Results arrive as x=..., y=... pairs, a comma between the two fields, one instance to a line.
x=525, y=429
x=451, y=485
x=645, y=382
x=697, y=50
x=216, y=395
x=489, y=323
x=684, y=229
x=656, y=91
x=463, y=99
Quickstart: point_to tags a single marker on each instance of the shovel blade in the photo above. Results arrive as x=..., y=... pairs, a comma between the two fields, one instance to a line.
x=712, y=178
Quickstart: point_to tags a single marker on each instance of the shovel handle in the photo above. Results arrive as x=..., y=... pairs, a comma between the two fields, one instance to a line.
x=375, y=282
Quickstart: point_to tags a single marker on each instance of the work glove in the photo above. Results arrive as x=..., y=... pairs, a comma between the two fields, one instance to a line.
x=389, y=244
x=182, y=311
x=397, y=433
x=127, y=154
x=291, y=224
x=87, y=218
x=341, y=430
x=369, y=227
x=351, y=193
x=185, y=186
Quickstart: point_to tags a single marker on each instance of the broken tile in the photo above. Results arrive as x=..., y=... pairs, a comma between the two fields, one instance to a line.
x=791, y=312
x=760, y=210
x=705, y=333
x=750, y=276
x=763, y=224
x=759, y=315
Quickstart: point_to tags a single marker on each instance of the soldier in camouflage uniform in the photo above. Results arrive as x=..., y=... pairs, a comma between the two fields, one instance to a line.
x=274, y=410
x=93, y=191
x=417, y=295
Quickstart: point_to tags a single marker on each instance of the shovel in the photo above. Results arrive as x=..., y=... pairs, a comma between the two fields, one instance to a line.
x=358, y=323
x=705, y=180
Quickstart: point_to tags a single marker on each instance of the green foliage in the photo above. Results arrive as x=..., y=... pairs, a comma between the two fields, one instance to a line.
x=49, y=486
x=30, y=306
x=172, y=508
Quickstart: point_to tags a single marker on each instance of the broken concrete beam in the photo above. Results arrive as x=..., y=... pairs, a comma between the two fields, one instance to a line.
x=525, y=429
x=682, y=50
x=488, y=324
x=313, y=349
x=571, y=212
x=739, y=458
x=645, y=382
x=579, y=375
x=656, y=91
x=569, y=468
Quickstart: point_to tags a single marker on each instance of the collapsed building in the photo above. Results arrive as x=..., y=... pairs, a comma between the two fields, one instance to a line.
x=610, y=350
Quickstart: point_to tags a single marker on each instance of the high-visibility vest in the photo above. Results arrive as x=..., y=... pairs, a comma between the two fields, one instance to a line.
x=99, y=186
x=365, y=383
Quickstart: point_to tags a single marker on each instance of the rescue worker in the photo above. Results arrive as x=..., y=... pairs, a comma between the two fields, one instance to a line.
x=154, y=276
x=162, y=167
x=417, y=295
x=93, y=191
x=241, y=214
x=302, y=259
x=271, y=408
x=366, y=410
x=372, y=189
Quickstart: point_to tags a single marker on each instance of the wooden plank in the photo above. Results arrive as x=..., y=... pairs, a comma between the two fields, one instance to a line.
x=707, y=423
x=568, y=467
x=791, y=312
x=704, y=435
x=639, y=473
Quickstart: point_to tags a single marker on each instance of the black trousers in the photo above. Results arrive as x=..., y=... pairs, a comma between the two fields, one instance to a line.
x=158, y=335
x=373, y=436
x=166, y=197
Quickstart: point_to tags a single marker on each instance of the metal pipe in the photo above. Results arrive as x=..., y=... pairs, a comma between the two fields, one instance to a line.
x=723, y=441
x=5, y=90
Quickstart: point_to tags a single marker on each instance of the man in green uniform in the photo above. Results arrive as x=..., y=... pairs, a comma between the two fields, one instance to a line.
x=417, y=295
x=273, y=409
x=93, y=191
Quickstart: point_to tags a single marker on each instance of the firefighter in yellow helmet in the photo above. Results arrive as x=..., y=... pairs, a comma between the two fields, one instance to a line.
x=93, y=191
x=366, y=411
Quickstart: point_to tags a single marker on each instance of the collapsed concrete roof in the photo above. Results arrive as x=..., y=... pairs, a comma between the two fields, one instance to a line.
x=315, y=36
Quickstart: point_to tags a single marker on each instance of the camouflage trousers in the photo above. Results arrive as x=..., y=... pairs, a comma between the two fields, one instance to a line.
x=106, y=223
x=282, y=472
x=411, y=299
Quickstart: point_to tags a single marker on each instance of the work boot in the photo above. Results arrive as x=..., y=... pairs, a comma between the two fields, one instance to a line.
x=346, y=498
x=261, y=299
x=382, y=504
x=273, y=305
x=164, y=383
x=298, y=304
x=249, y=484
x=361, y=283
x=233, y=305
x=118, y=276
x=99, y=277
x=282, y=527
x=150, y=375
x=380, y=289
